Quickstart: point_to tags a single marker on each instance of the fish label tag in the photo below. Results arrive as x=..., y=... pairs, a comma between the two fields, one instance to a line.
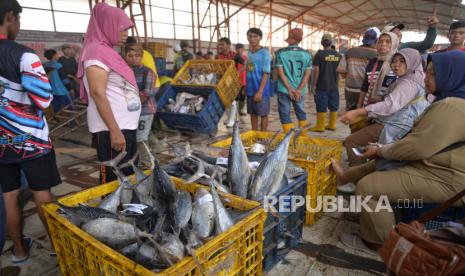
x=221, y=161
x=254, y=165
x=205, y=199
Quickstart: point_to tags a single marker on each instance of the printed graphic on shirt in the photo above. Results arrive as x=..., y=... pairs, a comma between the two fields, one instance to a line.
x=24, y=96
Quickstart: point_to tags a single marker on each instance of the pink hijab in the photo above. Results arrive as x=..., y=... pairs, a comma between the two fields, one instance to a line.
x=103, y=33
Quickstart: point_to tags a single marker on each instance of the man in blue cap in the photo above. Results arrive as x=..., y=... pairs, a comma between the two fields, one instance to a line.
x=353, y=64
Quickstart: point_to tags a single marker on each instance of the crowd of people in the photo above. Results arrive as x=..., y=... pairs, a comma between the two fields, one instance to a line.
x=404, y=109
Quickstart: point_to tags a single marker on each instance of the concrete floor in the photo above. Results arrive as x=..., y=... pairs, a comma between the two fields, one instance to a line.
x=79, y=171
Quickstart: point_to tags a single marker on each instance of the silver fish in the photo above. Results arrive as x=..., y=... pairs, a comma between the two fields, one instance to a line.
x=163, y=188
x=203, y=213
x=85, y=213
x=238, y=165
x=193, y=240
x=147, y=255
x=112, y=201
x=182, y=209
x=171, y=249
x=293, y=171
x=112, y=232
x=126, y=192
x=223, y=220
x=268, y=177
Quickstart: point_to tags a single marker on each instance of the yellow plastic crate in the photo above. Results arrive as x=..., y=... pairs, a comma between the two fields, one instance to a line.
x=228, y=85
x=158, y=49
x=237, y=251
x=312, y=154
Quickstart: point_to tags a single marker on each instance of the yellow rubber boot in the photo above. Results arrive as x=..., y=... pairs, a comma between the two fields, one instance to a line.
x=320, y=122
x=301, y=125
x=332, y=121
x=288, y=127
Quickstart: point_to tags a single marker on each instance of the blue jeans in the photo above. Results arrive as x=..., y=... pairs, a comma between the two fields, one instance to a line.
x=2, y=222
x=325, y=99
x=284, y=108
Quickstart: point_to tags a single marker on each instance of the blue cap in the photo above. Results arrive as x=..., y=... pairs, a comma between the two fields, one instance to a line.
x=371, y=36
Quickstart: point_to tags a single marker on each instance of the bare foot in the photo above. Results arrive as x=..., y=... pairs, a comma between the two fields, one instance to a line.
x=339, y=171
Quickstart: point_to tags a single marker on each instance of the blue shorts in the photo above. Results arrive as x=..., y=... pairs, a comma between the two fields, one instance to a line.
x=261, y=108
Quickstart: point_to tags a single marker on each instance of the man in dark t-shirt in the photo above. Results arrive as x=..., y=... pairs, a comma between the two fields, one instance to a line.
x=70, y=68
x=325, y=84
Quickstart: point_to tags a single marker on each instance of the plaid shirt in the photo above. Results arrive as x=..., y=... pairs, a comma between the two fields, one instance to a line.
x=146, y=83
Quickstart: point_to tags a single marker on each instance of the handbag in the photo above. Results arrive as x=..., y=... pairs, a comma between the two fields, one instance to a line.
x=410, y=250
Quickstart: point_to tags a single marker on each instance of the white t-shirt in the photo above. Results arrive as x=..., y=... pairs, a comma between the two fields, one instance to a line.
x=123, y=98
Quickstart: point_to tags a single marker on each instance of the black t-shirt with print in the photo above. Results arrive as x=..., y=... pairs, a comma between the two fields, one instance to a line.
x=327, y=62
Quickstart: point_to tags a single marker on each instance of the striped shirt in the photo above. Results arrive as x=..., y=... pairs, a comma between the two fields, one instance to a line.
x=25, y=93
x=354, y=64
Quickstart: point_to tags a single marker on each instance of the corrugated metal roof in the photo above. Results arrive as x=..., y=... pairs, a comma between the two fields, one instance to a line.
x=353, y=17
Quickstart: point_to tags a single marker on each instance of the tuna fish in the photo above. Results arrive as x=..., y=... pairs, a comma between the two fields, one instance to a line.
x=268, y=177
x=114, y=233
x=192, y=240
x=86, y=213
x=112, y=201
x=126, y=191
x=223, y=220
x=203, y=213
x=182, y=209
x=238, y=165
x=170, y=248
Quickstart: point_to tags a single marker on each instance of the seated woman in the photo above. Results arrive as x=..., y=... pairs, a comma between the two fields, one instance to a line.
x=434, y=148
x=395, y=114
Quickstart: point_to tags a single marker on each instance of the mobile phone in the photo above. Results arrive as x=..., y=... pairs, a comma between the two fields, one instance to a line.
x=359, y=151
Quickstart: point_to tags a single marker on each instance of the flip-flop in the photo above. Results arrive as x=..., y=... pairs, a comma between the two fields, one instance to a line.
x=28, y=242
x=354, y=241
x=53, y=253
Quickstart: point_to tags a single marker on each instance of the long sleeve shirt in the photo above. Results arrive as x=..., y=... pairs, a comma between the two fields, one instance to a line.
x=424, y=45
x=394, y=101
x=440, y=126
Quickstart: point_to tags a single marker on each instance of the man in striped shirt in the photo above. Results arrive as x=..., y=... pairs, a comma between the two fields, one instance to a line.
x=353, y=65
x=25, y=145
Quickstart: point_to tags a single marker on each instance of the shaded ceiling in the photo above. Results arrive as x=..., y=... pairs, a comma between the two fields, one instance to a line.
x=353, y=17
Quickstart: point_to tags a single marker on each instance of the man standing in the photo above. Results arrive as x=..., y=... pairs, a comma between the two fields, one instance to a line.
x=294, y=66
x=421, y=46
x=68, y=60
x=325, y=86
x=353, y=65
x=183, y=56
x=24, y=139
x=456, y=37
x=258, y=80
x=225, y=53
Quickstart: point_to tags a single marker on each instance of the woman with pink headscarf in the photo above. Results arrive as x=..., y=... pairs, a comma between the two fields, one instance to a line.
x=110, y=86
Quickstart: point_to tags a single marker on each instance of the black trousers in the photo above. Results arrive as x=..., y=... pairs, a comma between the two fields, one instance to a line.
x=102, y=142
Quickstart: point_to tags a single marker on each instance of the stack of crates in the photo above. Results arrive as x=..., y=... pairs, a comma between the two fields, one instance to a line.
x=237, y=251
x=312, y=154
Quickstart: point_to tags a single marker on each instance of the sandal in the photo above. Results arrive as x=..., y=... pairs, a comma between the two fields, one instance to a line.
x=354, y=241
x=28, y=242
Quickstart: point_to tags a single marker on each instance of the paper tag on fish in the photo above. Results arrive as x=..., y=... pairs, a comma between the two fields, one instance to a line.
x=254, y=165
x=133, y=209
x=221, y=161
x=205, y=199
x=135, y=205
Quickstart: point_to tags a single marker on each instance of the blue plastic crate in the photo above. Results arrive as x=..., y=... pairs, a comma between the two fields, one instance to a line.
x=283, y=230
x=412, y=213
x=206, y=121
